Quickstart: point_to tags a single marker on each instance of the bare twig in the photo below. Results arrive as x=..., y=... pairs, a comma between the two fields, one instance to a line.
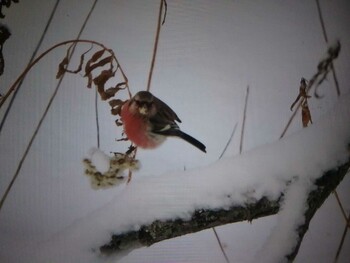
x=221, y=246
x=342, y=241
x=97, y=120
x=326, y=40
x=155, y=48
x=244, y=118
x=341, y=207
x=229, y=141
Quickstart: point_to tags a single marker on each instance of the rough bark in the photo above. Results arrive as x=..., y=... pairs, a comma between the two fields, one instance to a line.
x=204, y=219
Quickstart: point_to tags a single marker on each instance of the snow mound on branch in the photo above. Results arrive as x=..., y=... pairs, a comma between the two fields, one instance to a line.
x=297, y=160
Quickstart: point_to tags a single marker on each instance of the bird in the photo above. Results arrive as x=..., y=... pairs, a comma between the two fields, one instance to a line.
x=148, y=121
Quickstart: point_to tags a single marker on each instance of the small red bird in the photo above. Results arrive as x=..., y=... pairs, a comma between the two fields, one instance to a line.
x=148, y=121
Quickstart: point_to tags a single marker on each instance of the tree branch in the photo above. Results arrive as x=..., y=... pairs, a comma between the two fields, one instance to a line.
x=325, y=186
x=204, y=219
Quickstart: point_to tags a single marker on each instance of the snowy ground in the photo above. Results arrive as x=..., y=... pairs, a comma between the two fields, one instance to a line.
x=209, y=52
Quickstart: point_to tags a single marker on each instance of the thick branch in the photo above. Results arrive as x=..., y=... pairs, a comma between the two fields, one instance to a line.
x=325, y=186
x=204, y=219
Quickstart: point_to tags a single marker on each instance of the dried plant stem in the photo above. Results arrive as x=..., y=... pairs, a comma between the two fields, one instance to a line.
x=347, y=225
x=243, y=123
x=74, y=41
x=229, y=141
x=341, y=208
x=290, y=120
x=326, y=40
x=97, y=120
x=342, y=241
x=221, y=246
x=155, y=47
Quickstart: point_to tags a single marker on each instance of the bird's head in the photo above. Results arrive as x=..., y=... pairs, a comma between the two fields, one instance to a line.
x=143, y=104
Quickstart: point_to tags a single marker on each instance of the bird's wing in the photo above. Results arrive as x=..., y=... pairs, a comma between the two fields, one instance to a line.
x=165, y=117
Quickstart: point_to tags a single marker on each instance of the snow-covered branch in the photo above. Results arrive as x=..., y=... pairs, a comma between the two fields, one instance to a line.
x=293, y=176
x=207, y=218
x=201, y=219
x=299, y=194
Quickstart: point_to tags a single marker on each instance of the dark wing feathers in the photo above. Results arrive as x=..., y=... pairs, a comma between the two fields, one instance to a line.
x=165, y=117
x=165, y=111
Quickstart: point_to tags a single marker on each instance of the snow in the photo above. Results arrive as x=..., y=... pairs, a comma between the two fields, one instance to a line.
x=209, y=52
x=289, y=165
x=99, y=159
x=283, y=236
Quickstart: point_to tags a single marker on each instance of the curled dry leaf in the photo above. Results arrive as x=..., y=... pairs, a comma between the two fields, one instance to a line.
x=305, y=114
x=116, y=111
x=93, y=59
x=89, y=84
x=113, y=90
x=80, y=66
x=96, y=56
x=305, y=111
x=115, y=103
x=100, y=82
x=62, y=67
x=101, y=63
x=118, y=123
x=116, y=106
x=100, y=69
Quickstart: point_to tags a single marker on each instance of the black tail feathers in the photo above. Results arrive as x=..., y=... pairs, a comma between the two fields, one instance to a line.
x=186, y=137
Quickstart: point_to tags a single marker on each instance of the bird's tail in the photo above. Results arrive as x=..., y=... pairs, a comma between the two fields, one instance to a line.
x=186, y=137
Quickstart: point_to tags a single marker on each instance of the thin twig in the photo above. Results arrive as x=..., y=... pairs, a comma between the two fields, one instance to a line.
x=165, y=11
x=290, y=120
x=244, y=118
x=221, y=246
x=341, y=207
x=341, y=242
x=155, y=48
x=229, y=141
x=326, y=40
x=321, y=21
x=97, y=120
